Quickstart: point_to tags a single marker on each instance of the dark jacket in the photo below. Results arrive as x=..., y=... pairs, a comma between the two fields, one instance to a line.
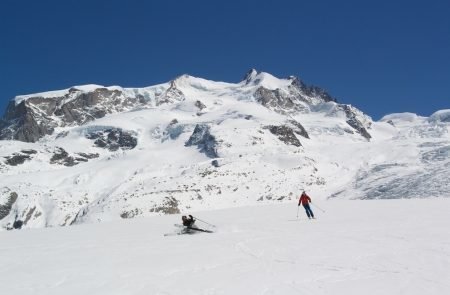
x=188, y=221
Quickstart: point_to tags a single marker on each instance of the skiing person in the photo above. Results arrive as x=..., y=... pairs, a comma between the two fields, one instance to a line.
x=305, y=200
x=188, y=222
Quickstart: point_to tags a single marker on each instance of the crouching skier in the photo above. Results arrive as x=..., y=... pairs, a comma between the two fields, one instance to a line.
x=188, y=222
x=304, y=201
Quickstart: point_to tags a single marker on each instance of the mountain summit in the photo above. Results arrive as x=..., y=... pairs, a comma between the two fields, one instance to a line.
x=93, y=153
x=30, y=117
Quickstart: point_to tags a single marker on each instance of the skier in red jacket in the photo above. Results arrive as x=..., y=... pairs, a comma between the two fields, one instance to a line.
x=304, y=201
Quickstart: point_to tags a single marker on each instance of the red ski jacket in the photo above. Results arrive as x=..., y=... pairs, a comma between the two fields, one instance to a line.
x=304, y=199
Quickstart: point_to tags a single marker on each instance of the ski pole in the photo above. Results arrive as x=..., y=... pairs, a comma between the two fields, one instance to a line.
x=298, y=208
x=318, y=207
x=204, y=222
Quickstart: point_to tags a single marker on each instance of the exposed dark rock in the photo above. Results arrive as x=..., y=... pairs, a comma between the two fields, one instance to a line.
x=62, y=134
x=250, y=76
x=291, y=100
x=17, y=224
x=6, y=207
x=353, y=121
x=390, y=122
x=17, y=159
x=80, y=159
x=215, y=163
x=28, y=152
x=171, y=95
x=312, y=90
x=200, y=105
x=29, y=215
x=89, y=156
x=22, y=124
x=299, y=129
x=285, y=134
x=130, y=213
x=86, y=106
x=113, y=139
x=3, y=123
x=169, y=206
x=202, y=138
x=60, y=156
x=34, y=117
x=275, y=99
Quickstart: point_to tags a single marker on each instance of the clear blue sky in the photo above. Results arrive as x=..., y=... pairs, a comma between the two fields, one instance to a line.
x=381, y=56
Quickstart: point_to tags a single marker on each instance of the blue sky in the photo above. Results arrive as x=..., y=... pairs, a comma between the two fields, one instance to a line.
x=380, y=56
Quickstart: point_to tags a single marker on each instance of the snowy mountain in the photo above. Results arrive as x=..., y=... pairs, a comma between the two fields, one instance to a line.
x=92, y=153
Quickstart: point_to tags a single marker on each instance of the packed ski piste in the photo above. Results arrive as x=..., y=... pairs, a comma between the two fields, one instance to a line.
x=188, y=225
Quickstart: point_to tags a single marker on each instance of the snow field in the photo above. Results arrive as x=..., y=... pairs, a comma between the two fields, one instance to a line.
x=370, y=247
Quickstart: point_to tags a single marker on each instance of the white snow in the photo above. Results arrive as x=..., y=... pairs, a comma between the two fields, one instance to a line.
x=440, y=116
x=407, y=117
x=266, y=80
x=377, y=246
x=355, y=247
x=409, y=159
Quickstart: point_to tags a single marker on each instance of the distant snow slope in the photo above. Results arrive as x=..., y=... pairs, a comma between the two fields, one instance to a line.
x=93, y=153
x=356, y=247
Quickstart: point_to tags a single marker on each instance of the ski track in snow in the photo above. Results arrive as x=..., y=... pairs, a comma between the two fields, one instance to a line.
x=370, y=247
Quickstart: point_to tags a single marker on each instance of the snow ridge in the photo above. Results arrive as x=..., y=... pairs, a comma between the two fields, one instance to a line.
x=93, y=153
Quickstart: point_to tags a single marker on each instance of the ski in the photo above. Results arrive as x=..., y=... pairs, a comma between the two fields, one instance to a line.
x=187, y=229
x=202, y=230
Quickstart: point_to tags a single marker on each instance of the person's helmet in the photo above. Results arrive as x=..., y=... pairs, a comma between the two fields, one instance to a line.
x=183, y=217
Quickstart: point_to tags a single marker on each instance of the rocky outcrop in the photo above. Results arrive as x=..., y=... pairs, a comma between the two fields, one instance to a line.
x=6, y=207
x=277, y=100
x=19, y=158
x=22, y=123
x=354, y=122
x=35, y=117
x=199, y=105
x=285, y=134
x=311, y=91
x=113, y=139
x=299, y=129
x=16, y=159
x=202, y=138
x=62, y=157
x=168, y=206
x=295, y=98
x=171, y=95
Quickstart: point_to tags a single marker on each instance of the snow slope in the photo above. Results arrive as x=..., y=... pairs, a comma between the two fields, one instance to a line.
x=355, y=247
x=204, y=145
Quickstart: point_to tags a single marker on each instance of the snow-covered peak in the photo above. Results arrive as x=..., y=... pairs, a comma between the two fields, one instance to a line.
x=100, y=153
x=402, y=117
x=60, y=93
x=188, y=81
x=440, y=116
x=411, y=118
x=266, y=80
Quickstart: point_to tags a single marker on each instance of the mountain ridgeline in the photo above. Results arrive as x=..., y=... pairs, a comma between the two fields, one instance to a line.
x=92, y=153
x=31, y=117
